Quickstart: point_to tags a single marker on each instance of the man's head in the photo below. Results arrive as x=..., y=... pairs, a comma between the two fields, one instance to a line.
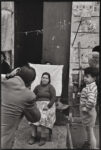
x=28, y=74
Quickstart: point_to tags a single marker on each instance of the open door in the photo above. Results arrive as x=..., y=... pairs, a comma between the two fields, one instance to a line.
x=28, y=38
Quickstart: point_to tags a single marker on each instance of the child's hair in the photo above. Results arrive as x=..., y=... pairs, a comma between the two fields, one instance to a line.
x=96, y=49
x=91, y=71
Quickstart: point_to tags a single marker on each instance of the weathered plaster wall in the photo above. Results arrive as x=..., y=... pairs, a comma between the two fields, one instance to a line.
x=7, y=30
x=88, y=33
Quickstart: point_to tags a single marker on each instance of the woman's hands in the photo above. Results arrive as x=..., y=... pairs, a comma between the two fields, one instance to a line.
x=45, y=108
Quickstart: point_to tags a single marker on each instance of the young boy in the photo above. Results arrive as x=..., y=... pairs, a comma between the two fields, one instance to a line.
x=88, y=101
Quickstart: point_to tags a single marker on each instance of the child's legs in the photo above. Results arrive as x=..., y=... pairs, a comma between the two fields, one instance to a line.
x=91, y=136
x=85, y=134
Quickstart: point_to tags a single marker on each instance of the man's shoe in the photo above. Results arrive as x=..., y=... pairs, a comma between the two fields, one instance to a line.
x=32, y=140
x=42, y=142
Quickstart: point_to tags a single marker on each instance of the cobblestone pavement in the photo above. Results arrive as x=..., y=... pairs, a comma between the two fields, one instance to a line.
x=58, y=137
x=24, y=132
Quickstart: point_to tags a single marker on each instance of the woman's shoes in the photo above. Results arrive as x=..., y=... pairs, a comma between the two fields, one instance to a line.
x=32, y=140
x=42, y=141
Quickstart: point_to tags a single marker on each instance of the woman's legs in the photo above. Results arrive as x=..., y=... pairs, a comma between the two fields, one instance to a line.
x=33, y=134
x=91, y=137
x=43, y=135
x=34, y=130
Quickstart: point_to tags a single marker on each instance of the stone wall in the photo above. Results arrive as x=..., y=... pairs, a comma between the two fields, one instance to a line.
x=85, y=21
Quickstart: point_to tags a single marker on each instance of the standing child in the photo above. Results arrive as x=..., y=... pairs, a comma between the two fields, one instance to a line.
x=93, y=61
x=88, y=101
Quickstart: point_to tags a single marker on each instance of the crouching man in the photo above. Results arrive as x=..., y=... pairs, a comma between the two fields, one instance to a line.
x=17, y=100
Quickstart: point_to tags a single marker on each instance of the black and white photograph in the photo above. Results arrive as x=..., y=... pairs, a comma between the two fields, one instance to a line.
x=50, y=82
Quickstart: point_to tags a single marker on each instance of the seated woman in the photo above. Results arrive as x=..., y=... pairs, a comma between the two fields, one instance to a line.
x=45, y=99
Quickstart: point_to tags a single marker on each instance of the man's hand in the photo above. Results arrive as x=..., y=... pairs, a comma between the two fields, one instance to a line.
x=13, y=73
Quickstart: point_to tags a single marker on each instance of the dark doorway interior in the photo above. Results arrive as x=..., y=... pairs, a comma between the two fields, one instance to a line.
x=28, y=38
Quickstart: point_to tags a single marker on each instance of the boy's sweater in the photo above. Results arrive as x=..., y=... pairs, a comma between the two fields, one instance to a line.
x=88, y=97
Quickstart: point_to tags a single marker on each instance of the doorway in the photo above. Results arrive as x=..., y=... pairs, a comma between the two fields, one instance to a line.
x=28, y=32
